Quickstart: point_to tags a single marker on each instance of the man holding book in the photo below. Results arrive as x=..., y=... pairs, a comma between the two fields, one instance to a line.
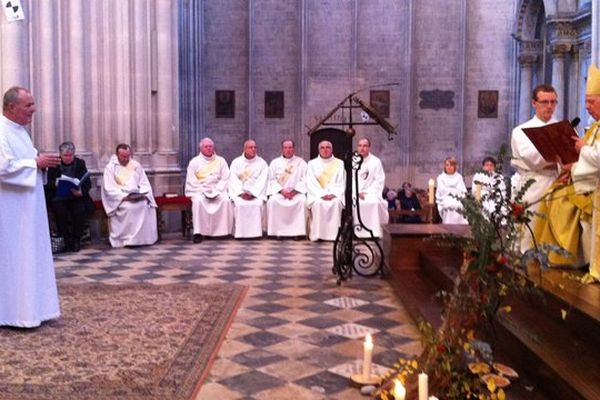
x=67, y=193
x=128, y=201
x=526, y=158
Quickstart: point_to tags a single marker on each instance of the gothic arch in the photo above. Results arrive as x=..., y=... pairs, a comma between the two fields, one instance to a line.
x=528, y=15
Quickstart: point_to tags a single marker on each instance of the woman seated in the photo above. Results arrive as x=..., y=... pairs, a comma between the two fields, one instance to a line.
x=71, y=203
x=409, y=201
x=450, y=188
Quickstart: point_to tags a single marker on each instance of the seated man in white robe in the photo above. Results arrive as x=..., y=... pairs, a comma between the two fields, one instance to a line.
x=286, y=206
x=128, y=201
x=371, y=180
x=248, y=190
x=206, y=183
x=326, y=185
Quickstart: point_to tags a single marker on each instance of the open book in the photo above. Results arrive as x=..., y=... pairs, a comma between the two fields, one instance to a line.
x=65, y=183
x=554, y=140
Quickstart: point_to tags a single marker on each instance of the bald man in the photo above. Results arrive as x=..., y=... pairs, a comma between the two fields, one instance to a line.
x=248, y=191
x=326, y=185
x=207, y=184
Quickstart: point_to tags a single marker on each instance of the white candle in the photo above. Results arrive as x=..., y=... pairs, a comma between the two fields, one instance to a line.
x=423, y=386
x=367, y=355
x=431, y=188
x=399, y=390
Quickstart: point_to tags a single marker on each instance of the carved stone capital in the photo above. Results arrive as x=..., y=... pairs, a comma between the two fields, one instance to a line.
x=560, y=49
x=562, y=30
x=528, y=60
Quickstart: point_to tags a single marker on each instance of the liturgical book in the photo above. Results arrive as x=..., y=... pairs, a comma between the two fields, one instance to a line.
x=554, y=140
x=64, y=184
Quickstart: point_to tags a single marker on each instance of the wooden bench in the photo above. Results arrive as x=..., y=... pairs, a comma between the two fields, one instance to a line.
x=178, y=203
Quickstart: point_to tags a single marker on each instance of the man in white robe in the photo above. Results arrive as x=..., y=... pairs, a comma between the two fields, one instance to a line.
x=207, y=184
x=325, y=185
x=586, y=173
x=28, y=294
x=371, y=180
x=286, y=206
x=528, y=161
x=485, y=186
x=248, y=190
x=128, y=201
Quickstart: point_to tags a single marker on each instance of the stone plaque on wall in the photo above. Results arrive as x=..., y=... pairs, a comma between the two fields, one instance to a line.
x=436, y=99
x=487, y=104
x=224, y=104
x=274, y=104
x=379, y=100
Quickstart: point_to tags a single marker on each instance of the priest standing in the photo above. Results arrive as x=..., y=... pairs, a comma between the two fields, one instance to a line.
x=248, y=190
x=128, y=201
x=207, y=183
x=586, y=174
x=28, y=294
x=286, y=206
x=370, y=182
x=325, y=184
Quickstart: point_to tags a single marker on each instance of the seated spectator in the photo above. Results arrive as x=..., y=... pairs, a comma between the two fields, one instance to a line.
x=128, y=201
x=391, y=197
x=450, y=188
x=409, y=201
x=73, y=206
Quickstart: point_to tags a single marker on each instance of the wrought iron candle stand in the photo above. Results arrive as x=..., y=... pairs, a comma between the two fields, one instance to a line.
x=353, y=253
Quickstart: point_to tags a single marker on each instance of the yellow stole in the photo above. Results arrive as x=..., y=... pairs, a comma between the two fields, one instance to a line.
x=285, y=175
x=327, y=173
x=563, y=209
x=207, y=169
x=124, y=174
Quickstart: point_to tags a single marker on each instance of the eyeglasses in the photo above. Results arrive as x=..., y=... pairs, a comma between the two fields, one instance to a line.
x=547, y=102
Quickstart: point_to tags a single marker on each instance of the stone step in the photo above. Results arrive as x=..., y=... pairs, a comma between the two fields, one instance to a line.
x=560, y=355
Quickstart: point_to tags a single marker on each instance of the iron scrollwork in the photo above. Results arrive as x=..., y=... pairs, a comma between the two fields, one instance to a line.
x=356, y=249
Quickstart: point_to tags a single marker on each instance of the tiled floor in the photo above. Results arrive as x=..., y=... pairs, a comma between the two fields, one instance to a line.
x=297, y=334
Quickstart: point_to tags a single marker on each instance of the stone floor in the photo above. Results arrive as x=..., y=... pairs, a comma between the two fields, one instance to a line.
x=297, y=335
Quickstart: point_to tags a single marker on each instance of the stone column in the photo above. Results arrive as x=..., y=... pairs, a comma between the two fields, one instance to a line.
x=76, y=76
x=596, y=33
x=558, y=76
x=526, y=64
x=14, y=58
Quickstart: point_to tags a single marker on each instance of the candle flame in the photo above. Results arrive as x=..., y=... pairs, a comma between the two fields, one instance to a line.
x=368, y=338
x=399, y=390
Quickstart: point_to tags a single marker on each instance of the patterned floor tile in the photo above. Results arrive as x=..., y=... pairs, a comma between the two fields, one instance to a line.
x=352, y=330
x=294, y=325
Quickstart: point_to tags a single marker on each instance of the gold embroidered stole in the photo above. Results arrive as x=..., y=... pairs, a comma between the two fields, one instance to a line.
x=207, y=169
x=124, y=173
x=245, y=174
x=327, y=173
x=285, y=175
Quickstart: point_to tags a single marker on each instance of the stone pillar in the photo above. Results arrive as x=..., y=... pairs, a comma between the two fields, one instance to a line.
x=558, y=76
x=76, y=76
x=527, y=63
x=530, y=52
x=596, y=33
x=14, y=58
x=45, y=78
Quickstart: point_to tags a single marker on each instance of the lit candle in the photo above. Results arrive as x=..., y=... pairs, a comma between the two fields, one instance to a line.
x=431, y=188
x=423, y=386
x=399, y=390
x=478, y=191
x=367, y=355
